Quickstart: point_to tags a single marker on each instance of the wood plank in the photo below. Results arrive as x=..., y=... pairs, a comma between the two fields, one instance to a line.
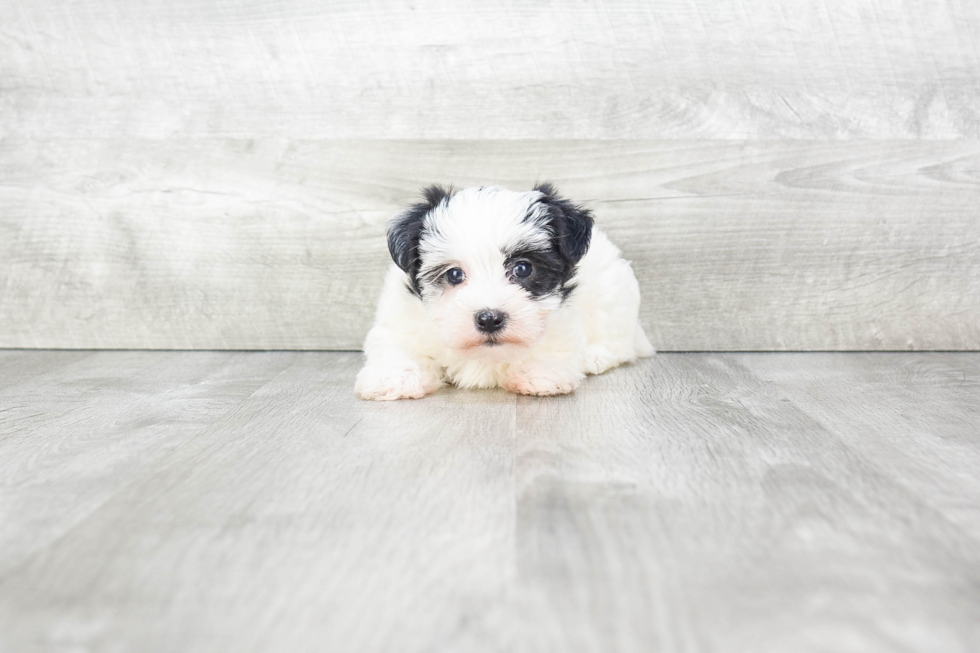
x=912, y=417
x=713, y=69
x=19, y=366
x=364, y=511
x=685, y=505
x=73, y=438
x=244, y=244
x=680, y=504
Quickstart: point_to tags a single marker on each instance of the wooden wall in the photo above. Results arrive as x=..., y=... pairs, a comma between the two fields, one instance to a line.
x=785, y=175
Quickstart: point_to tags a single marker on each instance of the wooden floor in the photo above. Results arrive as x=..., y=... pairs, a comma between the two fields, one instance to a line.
x=200, y=501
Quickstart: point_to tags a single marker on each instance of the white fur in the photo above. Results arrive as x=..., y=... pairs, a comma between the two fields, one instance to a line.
x=549, y=345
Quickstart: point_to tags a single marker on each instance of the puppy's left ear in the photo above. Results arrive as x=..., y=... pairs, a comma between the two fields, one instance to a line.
x=570, y=223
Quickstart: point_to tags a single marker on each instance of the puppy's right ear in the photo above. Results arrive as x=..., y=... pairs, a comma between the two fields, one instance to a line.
x=405, y=231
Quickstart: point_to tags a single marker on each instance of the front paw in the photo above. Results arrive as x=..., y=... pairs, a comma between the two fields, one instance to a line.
x=539, y=382
x=389, y=383
x=598, y=359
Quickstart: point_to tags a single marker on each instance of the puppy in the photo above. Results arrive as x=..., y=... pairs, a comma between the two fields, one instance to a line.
x=492, y=287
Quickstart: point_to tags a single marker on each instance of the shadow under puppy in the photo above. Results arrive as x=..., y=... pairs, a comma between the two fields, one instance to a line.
x=493, y=287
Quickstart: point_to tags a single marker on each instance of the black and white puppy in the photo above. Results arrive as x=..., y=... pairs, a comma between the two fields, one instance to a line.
x=492, y=287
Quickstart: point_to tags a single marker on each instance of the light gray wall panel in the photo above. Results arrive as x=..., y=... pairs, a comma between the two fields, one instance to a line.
x=217, y=174
x=438, y=69
x=228, y=243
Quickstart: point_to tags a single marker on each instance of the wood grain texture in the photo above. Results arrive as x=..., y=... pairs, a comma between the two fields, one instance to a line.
x=687, y=505
x=935, y=428
x=216, y=175
x=694, y=502
x=120, y=413
x=719, y=69
x=245, y=244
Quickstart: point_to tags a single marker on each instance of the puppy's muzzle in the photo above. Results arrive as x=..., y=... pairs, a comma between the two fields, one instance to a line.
x=489, y=321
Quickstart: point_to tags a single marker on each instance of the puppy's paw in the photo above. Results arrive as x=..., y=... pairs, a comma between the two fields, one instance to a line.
x=598, y=359
x=389, y=383
x=539, y=382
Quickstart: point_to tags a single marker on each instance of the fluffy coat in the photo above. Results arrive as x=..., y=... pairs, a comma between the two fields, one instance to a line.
x=491, y=287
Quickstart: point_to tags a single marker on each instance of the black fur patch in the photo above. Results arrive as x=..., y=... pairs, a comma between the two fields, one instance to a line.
x=571, y=232
x=548, y=271
x=405, y=232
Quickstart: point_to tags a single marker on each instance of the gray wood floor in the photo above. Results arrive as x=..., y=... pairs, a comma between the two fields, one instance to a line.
x=200, y=501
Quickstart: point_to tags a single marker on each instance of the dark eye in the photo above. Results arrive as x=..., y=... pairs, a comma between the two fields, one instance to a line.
x=455, y=276
x=522, y=270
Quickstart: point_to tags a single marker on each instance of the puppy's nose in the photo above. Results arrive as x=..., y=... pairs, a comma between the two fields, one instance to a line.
x=489, y=321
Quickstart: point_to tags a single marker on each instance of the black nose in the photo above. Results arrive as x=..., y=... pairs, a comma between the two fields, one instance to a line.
x=489, y=321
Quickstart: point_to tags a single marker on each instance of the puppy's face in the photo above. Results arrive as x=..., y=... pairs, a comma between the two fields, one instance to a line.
x=490, y=264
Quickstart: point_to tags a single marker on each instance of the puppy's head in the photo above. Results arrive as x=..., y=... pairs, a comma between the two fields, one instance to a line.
x=490, y=264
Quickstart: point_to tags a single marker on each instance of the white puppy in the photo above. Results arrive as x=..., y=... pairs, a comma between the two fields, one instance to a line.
x=492, y=287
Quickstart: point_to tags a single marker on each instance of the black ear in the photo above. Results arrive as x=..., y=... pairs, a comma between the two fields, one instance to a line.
x=570, y=223
x=405, y=231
